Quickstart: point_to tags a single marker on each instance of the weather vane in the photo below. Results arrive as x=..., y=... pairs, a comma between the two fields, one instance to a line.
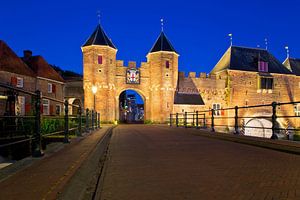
x=230, y=36
x=287, y=51
x=99, y=16
x=162, y=24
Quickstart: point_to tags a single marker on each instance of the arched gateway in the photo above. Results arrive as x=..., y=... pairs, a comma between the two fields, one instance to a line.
x=155, y=80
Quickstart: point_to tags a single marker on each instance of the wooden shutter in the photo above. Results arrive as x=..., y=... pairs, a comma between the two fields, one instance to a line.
x=14, y=81
x=27, y=108
x=53, y=88
x=51, y=109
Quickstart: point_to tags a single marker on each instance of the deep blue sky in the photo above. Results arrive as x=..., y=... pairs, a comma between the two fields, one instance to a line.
x=198, y=30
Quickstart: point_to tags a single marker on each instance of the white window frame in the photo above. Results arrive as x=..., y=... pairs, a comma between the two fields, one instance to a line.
x=50, y=88
x=20, y=82
x=46, y=107
x=297, y=109
x=217, y=111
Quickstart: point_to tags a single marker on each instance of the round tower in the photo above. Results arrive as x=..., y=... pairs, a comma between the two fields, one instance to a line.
x=163, y=61
x=99, y=69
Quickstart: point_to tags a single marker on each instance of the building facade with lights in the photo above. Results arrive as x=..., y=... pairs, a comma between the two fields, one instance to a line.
x=242, y=77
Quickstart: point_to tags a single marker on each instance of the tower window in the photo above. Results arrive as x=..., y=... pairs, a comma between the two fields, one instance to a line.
x=167, y=64
x=100, y=59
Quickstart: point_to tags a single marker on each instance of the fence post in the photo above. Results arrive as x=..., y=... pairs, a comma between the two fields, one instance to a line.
x=99, y=126
x=177, y=120
x=197, y=119
x=274, y=117
x=66, y=139
x=96, y=120
x=80, y=121
x=87, y=119
x=212, y=120
x=37, y=143
x=93, y=124
x=185, y=119
x=193, y=119
x=170, y=119
x=204, y=121
x=236, y=120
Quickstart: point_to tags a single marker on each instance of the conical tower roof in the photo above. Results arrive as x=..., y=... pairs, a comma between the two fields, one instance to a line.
x=162, y=44
x=99, y=37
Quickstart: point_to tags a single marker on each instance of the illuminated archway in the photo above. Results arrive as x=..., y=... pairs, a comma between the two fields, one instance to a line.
x=130, y=106
x=258, y=128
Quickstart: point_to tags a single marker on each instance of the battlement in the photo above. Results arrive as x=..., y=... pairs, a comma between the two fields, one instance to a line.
x=131, y=64
x=201, y=75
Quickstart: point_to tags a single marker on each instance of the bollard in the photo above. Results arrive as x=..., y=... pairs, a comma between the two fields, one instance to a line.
x=87, y=120
x=197, y=119
x=185, y=119
x=66, y=138
x=177, y=120
x=236, y=120
x=79, y=121
x=37, y=143
x=274, y=117
x=212, y=121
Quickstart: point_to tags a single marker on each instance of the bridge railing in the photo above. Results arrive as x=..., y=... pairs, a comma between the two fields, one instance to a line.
x=277, y=119
x=31, y=132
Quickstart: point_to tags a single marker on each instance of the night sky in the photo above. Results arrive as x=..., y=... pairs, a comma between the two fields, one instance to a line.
x=198, y=30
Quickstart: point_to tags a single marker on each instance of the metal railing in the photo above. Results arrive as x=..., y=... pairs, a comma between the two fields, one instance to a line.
x=34, y=128
x=233, y=119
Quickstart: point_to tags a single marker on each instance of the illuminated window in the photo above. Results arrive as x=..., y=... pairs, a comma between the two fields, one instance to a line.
x=297, y=109
x=167, y=64
x=217, y=107
x=266, y=83
x=100, y=59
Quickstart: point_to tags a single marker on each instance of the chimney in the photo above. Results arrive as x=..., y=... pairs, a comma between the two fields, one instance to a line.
x=27, y=54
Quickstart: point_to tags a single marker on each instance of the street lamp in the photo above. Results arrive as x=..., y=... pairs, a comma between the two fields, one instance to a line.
x=94, y=90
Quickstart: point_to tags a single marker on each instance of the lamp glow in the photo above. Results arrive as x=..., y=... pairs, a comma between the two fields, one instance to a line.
x=94, y=89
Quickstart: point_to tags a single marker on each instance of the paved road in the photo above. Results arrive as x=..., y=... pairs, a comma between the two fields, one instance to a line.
x=147, y=162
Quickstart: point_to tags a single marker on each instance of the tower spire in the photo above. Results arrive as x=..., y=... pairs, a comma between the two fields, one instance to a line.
x=162, y=24
x=230, y=36
x=287, y=51
x=266, y=43
x=99, y=16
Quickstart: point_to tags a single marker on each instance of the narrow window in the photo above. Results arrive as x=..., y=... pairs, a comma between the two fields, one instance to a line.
x=263, y=66
x=266, y=83
x=50, y=88
x=100, y=59
x=167, y=64
x=57, y=109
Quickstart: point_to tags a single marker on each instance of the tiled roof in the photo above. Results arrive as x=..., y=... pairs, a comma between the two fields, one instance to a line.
x=187, y=92
x=246, y=59
x=99, y=37
x=68, y=75
x=10, y=62
x=162, y=44
x=42, y=69
x=293, y=64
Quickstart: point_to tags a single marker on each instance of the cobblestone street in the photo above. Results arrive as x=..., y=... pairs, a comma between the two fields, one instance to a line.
x=156, y=162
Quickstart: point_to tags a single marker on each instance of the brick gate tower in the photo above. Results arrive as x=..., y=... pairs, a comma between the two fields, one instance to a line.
x=155, y=80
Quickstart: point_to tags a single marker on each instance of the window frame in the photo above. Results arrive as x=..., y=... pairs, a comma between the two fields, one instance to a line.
x=297, y=109
x=47, y=105
x=98, y=59
x=20, y=82
x=264, y=83
x=50, y=89
x=217, y=111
